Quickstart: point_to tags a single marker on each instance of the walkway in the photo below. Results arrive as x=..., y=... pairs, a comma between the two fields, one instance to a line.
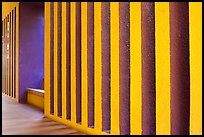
x=21, y=119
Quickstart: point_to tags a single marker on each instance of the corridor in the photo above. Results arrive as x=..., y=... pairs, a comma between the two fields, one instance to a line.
x=102, y=68
x=22, y=119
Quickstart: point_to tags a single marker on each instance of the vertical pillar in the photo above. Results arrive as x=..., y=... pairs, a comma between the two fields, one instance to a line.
x=90, y=62
x=135, y=69
x=105, y=41
x=124, y=64
x=179, y=68
x=115, y=81
x=195, y=30
x=148, y=69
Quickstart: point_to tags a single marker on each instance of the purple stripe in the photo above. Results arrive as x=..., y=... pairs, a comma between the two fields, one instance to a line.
x=124, y=42
x=179, y=66
x=148, y=69
x=59, y=61
x=90, y=61
x=68, y=65
x=105, y=66
x=52, y=57
x=78, y=62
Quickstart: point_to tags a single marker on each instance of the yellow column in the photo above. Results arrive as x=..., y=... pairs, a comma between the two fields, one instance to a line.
x=195, y=28
x=64, y=112
x=47, y=60
x=17, y=51
x=97, y=67
x=135, y=69
x=162, y=45
x=55, y=58
x=114, y=53
x=73, y=61
x=84, y=64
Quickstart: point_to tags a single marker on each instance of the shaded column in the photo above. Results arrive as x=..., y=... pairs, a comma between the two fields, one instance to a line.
x=148, y=69
x=68, y=61
x=52, y=57
x=90, y=50
x=105, y=65
x=59, y=65
x=179, y=68
x=6, y=46
x=124, y=46
x=78, y=62
x=3, y=56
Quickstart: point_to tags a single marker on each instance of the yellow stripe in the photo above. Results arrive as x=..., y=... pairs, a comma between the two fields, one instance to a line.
x=84, y=64
x=97, y=66
x=13, y=53
x=47, y=60
x=114, y=33
x=73, y=61
x=195, y=22
x=162, y=32
x=55, y=58
x=135, y=69
x=17, y=46
x=64, y=112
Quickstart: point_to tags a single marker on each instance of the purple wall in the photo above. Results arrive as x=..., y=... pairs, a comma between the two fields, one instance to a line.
x=31, y=47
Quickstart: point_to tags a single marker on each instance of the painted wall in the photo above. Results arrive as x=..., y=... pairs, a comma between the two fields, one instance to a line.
x=142, y=62
x=31, y=47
